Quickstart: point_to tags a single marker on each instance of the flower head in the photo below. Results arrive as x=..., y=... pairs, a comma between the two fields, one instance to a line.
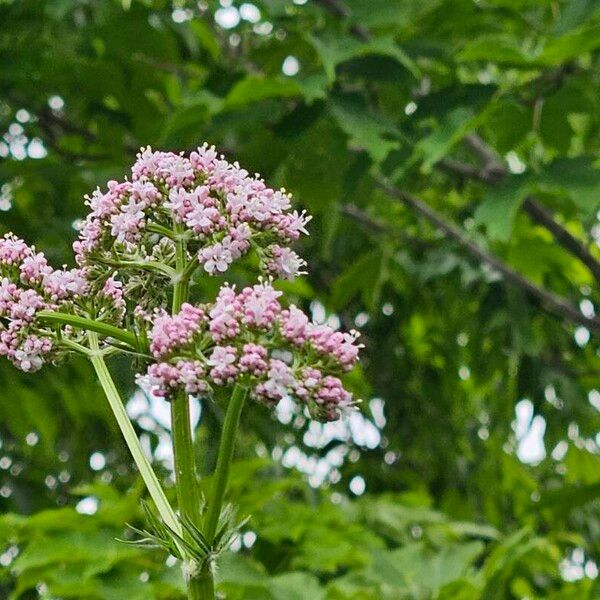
x=214, y=208
x=248, y=337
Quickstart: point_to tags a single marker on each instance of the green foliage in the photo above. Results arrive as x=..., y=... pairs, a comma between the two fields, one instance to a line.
x=453, y=508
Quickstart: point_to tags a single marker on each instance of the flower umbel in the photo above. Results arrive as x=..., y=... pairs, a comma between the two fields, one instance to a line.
x=215, y=207
x=249, y=337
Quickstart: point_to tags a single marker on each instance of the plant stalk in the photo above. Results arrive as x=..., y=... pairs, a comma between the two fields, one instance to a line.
x=226, y=448
x=200, y=587
x=104, y=329
x=185, y=464
x=143, y=465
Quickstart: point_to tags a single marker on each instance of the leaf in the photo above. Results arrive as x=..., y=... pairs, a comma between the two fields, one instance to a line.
x=365, y=130
x=498, y=210
x=335, y=51
x=421, y=571
x=576, y=178
x=296, y=586
x=574, y=43
x=97, y=550
x=433, y=147
x=240, y=570
x=361, y=275
x=253, y=89
x=499, y=48
x=206, y=37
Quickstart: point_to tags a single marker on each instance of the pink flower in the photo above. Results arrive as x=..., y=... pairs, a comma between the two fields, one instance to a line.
x=293, y=323
x=13, y=250
x=62, y=284
x=225, y=314
x=101, y=204
x=34, y=268
x=30, y=355
x=293, y=224
x=253, y=359
x=222, y=360
x=220, y=211
x=26, y=305
x=127, y=223
x=9, y=294
x=284, y=263
x=204, y=158
x=260, y=305
x=172, y=331
x=215, y=258
x=279, y=383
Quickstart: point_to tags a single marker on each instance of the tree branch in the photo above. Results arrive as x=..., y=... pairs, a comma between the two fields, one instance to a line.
x=342, y=11
x=553, y=302
x=492, y=172
x=363, y=218
x=540, y=214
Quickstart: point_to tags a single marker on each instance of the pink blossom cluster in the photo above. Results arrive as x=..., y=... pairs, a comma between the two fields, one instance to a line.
x=249, y=337
x=214, y=206
x=28, y=284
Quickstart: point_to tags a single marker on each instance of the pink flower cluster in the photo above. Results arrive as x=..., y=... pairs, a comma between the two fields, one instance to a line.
x=28, y=284
x=216, y=207
x=249, y=337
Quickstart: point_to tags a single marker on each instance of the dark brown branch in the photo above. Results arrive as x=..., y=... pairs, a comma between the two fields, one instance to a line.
x=553, y=302
x=340, y=10
x=487, y=154
x=540, y=214
x=493, y=172
x=363, y=218
x=461, y=169
x=377, y=227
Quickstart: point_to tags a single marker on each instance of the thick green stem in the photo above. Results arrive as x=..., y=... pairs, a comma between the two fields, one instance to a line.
x=143, y=465
x=185, y=464
x=205, y=585
x=226, y=447
x=104, y=329
x=200, y=587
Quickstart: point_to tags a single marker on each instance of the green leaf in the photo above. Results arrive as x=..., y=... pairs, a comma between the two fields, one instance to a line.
x=296, y=586
x=366, y=131
x=499, y=208
x=433, y=147
x=363, y=274
x=498, y=48
x=577, y=178
x=253, y=89
x=575, y=43
x=335, y=51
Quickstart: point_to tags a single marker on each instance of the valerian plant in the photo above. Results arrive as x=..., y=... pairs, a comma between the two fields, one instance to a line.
x=143, y=241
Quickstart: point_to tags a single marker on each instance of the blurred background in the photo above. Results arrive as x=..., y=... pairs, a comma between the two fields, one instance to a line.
x=449, y=152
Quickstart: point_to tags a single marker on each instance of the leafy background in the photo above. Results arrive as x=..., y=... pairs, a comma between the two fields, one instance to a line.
x=449, y=152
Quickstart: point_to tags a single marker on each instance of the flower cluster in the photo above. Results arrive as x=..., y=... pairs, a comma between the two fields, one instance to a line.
x=177, y=214
x=249, y=337
x=214, y=208
x=28, y=285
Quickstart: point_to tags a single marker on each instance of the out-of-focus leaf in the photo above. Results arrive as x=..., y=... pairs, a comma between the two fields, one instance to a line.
x=335, y=51
x=497, y=212
x=366, y=131
x=254, y=89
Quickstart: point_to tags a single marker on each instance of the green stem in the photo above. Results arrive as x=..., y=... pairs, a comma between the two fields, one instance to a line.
x=148, y=475
x=104, y=329
x=226, y=447
x=205, y=585
x=199, y=587
x=185, y=464
x=180, y=290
